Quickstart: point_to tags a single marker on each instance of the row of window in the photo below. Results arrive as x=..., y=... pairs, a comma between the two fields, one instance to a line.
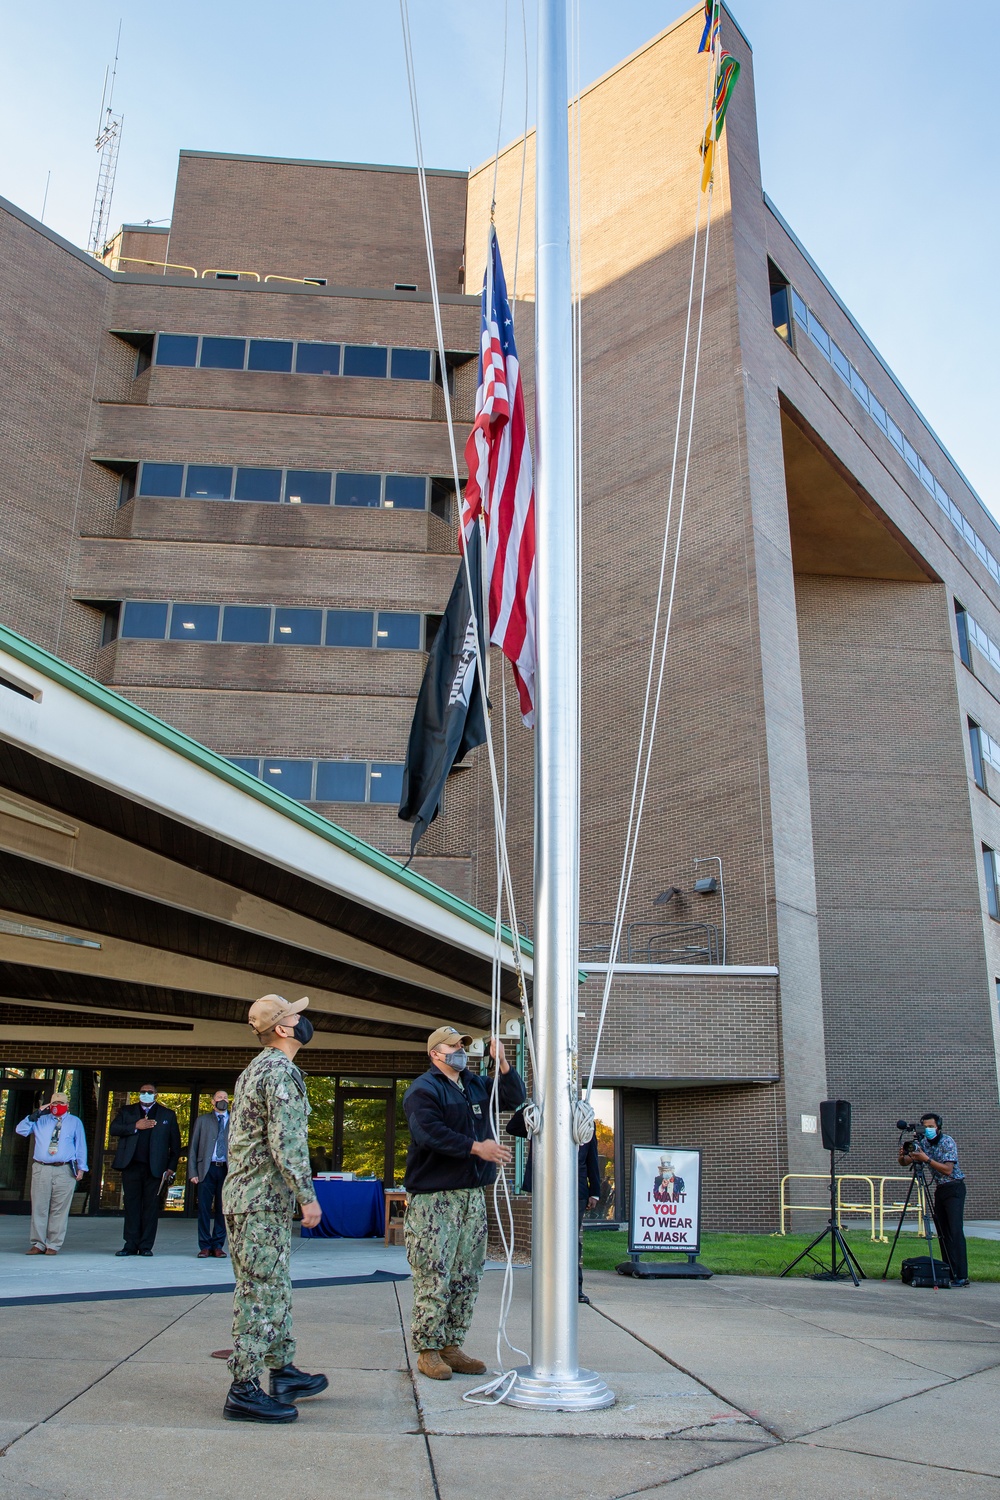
x=971, y=633
x=328, y=780
x=781, y=294
x=265, y=624
x=282, y=486
x=298, y=356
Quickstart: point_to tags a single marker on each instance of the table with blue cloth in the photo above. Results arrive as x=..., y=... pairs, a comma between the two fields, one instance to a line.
x=351, y=1211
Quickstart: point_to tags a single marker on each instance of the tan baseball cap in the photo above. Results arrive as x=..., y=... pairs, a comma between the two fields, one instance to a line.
x=450, y=1035
x=59, y=1099
x=274, y=1010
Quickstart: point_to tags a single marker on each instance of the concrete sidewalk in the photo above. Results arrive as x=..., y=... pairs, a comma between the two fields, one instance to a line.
x=756, y=1388
x=87, y=1262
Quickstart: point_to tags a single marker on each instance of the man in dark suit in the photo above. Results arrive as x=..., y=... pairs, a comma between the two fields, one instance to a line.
x=208, y=1162
x=588, y=1191
x=149, y=1146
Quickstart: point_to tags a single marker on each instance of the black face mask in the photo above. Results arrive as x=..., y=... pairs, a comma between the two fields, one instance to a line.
x=303, y=1030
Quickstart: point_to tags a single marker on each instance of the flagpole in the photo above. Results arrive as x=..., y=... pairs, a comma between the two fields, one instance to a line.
x=554, y=1380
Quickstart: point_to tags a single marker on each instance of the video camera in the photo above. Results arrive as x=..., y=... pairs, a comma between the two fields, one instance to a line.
x=918, y=1135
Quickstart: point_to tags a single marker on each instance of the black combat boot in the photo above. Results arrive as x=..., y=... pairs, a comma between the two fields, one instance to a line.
x=247, y=1402
x=290, y=1384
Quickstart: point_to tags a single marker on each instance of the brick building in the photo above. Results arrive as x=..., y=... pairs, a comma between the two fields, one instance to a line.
x=225, y=477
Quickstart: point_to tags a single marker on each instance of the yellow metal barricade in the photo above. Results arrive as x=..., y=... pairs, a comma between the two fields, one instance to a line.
x=894, y=1206
x=845, y=1204
x=158, y=265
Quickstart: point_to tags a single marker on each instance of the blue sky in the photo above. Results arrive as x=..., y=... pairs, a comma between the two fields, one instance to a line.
x=873, y=130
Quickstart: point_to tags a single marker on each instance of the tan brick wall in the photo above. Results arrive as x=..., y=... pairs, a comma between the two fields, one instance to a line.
x=354, y=226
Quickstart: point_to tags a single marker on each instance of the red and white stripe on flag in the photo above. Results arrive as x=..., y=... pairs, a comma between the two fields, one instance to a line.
x=500, y=487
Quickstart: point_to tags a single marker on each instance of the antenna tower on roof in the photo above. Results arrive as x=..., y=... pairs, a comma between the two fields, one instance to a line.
x=108, y=140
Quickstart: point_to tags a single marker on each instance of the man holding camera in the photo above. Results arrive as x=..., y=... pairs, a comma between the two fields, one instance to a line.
x=940, y=1154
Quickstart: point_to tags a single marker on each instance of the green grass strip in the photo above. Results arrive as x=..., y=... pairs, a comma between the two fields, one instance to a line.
x=767, y=1255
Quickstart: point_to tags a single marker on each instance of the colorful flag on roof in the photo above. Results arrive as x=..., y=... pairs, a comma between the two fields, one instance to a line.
x=500, y=488
x=710, y=35
x=726, y=78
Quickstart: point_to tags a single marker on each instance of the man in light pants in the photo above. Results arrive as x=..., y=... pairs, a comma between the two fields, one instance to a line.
x=60, y=1160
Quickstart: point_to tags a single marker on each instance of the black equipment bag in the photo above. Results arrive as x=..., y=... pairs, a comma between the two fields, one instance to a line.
x=917, y=1271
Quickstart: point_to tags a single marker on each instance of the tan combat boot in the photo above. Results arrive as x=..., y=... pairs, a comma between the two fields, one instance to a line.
x=430, y=1363
x=461, y=1363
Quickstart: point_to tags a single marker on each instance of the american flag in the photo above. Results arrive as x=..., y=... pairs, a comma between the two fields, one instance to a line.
x=500, y=486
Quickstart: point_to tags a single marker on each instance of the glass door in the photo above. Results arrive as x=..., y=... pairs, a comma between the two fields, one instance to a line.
x=108, y=1195
x=603, y=1101
x=363, y=1132
x=17, y=1099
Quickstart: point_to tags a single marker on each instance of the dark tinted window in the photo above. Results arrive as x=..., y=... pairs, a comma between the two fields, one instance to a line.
x=411, y=364
x=176, y=349
x=245, y=763
x=246, y=622
x=258, y=484
x=307, y=487
x=340, y=781
x=161, y=479
x=222, y=354
x=403, y=492
x=364, y=359
x=349, y=627
x=318, y=359
x=194, y=622
x=298, y=627
x=208, y=482
x=293, y=777
x=386, y=783
x=398, y=632
x=269, y=354
x=976, y=745
x=144, y=622
x=359, y=489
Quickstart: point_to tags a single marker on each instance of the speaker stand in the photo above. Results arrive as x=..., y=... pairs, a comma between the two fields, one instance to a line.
x=841, y=1254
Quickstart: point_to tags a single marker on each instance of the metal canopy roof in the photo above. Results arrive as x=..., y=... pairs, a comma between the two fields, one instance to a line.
x=146, y=881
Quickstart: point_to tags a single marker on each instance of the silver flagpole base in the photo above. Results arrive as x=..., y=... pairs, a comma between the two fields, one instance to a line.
x=585, y=1391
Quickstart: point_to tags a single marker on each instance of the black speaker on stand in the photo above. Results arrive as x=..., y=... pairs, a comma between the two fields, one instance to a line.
x=835, y=1126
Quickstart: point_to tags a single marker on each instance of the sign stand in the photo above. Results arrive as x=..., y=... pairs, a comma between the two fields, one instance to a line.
x=664, y=1213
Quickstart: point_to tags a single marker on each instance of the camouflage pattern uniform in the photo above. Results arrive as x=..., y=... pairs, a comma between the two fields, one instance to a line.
x=445, y=1237
x=268, y=1170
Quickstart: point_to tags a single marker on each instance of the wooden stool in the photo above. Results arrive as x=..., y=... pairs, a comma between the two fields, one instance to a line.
x=394, y=1198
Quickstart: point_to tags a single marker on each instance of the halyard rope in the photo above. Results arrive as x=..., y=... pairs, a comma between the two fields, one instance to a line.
x=658, y=648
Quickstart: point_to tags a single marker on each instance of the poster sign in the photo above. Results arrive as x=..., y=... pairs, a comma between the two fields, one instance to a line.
x=666, y=1200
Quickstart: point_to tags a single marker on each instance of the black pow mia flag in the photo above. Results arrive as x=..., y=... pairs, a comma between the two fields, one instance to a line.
x=450, y=718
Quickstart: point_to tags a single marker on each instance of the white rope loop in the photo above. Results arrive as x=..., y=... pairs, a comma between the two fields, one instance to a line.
x=494, y=1391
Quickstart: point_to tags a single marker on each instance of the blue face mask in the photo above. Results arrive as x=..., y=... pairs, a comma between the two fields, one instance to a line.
x=930, y=1131
x=147, y=1098
x=457, y=1060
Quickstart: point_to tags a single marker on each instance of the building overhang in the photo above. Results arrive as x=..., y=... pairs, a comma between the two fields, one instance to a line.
x=149, y=890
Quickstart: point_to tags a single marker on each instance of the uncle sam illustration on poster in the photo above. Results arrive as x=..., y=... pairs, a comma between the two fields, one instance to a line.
x=666, y=1196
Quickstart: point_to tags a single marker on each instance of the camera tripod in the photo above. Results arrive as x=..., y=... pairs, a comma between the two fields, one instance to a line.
x=918, y=1173
x=841, y=1254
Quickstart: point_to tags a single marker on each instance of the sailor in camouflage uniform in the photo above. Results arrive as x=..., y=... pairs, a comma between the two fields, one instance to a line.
x=452, y=1158
x=268, y=1170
